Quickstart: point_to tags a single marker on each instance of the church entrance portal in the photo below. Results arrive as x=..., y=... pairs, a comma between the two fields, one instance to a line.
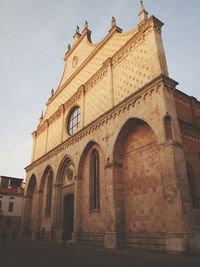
x=68, y=216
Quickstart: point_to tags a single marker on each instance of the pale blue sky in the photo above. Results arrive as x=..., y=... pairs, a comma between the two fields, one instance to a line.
x=34, y=36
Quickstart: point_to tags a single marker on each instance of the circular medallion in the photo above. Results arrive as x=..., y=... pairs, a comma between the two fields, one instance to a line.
x=70, y=172
x=74, y=61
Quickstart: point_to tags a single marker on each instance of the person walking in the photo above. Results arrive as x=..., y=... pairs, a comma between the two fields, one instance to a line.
x=52, y=234
x=64, y=238
x=43, y=233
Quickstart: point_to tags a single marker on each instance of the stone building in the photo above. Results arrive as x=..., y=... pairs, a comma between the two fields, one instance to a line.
x=11, y=204
x=115, y=158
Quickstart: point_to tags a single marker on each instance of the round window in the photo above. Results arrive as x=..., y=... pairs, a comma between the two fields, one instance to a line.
x=73, y=121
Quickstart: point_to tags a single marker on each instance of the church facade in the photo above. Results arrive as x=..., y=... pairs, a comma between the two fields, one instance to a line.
x=115, y=158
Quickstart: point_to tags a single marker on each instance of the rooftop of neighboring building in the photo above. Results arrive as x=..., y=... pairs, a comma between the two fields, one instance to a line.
x=11, y=185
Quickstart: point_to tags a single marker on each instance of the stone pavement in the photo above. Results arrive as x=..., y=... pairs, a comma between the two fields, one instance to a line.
x=26, y=253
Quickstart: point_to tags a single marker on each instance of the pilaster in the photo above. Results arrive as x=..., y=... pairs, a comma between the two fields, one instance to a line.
x=108, y=64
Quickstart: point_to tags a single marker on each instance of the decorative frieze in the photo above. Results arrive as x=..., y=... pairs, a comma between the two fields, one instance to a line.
x=129, y=103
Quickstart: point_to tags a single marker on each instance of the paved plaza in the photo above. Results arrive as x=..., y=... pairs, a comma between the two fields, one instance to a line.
x=26, y=253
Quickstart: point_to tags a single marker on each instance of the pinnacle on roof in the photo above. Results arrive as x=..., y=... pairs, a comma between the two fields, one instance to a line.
x=143, y=13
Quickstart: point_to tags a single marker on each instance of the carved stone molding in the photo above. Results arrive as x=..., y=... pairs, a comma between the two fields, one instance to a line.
x=113, y=165
x=108, y=62
x=99, y=75
x=130, y=102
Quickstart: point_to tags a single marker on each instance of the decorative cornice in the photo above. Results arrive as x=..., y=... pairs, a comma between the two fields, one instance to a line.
x=169, y=143
x=134, y=99
x=189, y=131
x=108, y=62
x=100, y=74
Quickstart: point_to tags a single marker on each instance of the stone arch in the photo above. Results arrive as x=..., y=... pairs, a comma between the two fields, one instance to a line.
x=65, y=178
x=119, y=132
x=62, y=169
x=45, y=192
x=91, y=218
x=29, y=208
x=137, y=179
x=89, y=145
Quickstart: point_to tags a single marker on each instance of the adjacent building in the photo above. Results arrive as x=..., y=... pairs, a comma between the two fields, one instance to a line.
x=116, y=155
x=11, y=203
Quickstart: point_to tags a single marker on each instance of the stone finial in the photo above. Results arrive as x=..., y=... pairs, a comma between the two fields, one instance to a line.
x=68, y=47
x=113, y=22
x=114, y=26
x=77, y=29
x=77, y=34
x=143, y=13
x=86, y=25
x=52, y=92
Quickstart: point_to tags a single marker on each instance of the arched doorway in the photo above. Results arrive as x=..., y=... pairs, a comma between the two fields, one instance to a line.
x=68, y=216
x=139, y=192
x=64, y=199
x=29, y=216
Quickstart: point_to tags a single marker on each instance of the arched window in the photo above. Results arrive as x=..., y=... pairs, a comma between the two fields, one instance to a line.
x=168, y=128
x=73, y=121
x=49, y=193
x=94, y=180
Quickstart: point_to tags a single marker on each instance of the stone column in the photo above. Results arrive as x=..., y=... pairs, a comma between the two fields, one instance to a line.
x=108, y=65
x=34, y=145
x=47, y=135
x=111, y=236
x=57, y=211
x=82, y=95
x=38, y=212
x=62, y=111
x=76, y=211
x=179, y=212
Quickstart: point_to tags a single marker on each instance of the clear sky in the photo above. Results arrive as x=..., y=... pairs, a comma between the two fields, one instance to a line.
x=33, y=40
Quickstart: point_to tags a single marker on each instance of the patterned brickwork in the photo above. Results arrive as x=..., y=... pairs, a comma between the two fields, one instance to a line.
x=143, y=201
x=107, y=50
x=54, y=133
x=40, y=145
x=138, y=66
x=97, y=100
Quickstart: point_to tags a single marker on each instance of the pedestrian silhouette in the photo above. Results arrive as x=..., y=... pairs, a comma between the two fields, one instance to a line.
x=64, y=238
x=43, y=233
x=52, y=234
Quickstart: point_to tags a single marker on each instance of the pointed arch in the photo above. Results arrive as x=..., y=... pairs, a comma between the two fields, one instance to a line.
x=28, y=219
x=137, y=176
x=127, y=127
x=64, y=169
x=47, y=178
x=89, y=145
x=65, y=177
